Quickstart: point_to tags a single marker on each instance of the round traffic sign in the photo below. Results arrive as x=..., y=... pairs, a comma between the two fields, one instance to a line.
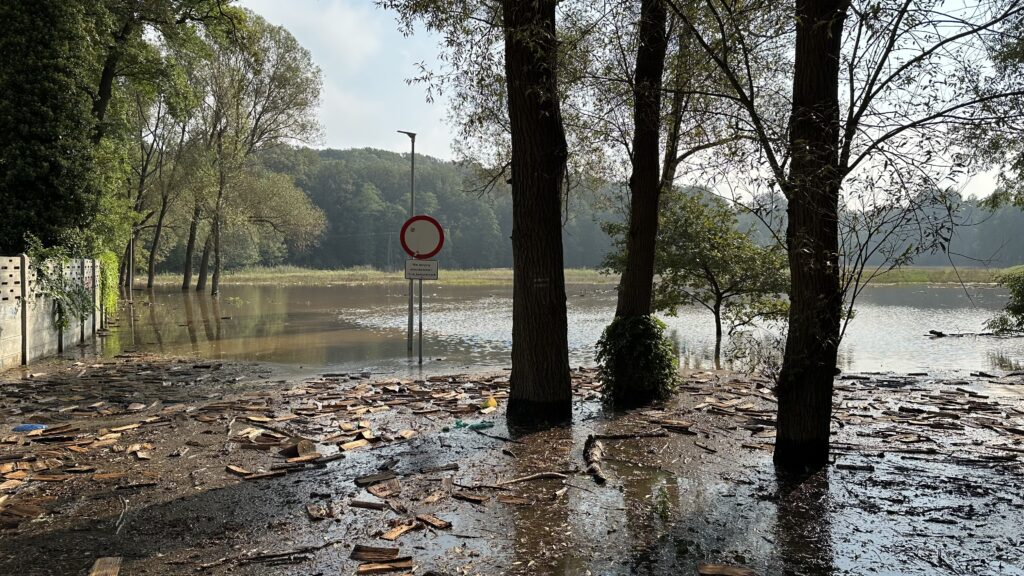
x=422, y=237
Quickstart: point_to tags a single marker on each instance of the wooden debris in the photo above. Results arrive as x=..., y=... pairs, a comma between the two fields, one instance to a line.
x=373, y=553
x=385, y=567
x=537, y=476
x=372, y=479
x=470, y=497
x=106, y=567
x=355, y=444
x=723, y=570
x=434, y=521
x=238, y=470
x=400, y=528
x=301, y=448
x=593, y=454
x=385, y=489
x=367, y=505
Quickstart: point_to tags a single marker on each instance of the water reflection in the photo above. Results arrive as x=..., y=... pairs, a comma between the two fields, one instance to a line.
x=803, y=526
x=362, y=328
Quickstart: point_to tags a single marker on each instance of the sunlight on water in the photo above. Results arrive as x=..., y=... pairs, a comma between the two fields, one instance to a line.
x=364, y=327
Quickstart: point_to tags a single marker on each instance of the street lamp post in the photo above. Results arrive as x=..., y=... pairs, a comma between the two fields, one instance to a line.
x=412, y=212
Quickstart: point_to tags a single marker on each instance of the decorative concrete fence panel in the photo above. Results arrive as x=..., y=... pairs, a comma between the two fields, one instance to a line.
x=28, y=324
x=11, y=276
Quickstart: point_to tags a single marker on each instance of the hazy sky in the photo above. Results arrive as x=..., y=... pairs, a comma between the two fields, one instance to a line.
x=365, y=62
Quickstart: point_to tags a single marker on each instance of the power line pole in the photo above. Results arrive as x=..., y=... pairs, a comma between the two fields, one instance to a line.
x=412, y=212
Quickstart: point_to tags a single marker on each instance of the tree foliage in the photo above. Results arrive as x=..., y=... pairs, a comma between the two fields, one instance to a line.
x=638, y=362
x=704, y=258
x=1011, y=319
x=47, y=185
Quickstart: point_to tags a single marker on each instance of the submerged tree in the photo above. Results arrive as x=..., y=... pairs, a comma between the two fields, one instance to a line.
x=260, y=90
x=539, y=383
x=874, y=89
x=703, y=259
x=510, y=49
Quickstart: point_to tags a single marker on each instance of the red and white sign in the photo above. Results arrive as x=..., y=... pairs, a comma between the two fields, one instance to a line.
x=422, y=237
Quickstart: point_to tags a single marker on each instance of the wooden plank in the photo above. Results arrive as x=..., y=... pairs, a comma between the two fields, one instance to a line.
x=373, y=553
x=385, y=567
x=106, y=567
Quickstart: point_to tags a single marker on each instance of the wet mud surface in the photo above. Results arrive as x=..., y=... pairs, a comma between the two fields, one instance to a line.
x=176, y=466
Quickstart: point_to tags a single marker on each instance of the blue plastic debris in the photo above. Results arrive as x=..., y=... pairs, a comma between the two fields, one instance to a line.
x=29, y=427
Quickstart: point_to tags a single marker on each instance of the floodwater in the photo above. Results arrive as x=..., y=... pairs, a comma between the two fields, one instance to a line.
x=363, y=328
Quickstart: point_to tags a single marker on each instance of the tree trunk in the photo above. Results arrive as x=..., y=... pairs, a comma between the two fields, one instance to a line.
x=190, y=248
x=105, y=87
x=637, y=282
x=718, y=335
x=151, y=271
x=805, y=381
x=122, y=273
x=215, y=287
x=540, y=389
x=204, y=263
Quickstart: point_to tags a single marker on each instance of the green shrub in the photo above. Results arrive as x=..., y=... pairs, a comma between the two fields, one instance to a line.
x=1011, y=319
x=109, y=264
x=637, y=361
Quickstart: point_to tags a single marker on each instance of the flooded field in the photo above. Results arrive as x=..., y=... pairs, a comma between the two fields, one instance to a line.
x=363, y=328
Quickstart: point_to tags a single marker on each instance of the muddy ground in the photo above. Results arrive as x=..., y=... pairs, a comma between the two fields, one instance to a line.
x=175, y=466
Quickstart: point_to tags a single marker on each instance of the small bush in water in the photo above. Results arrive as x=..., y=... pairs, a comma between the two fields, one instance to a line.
x=638, y=362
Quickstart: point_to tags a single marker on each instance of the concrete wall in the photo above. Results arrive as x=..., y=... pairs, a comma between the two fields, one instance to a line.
x=28, y=329
x=10, y=311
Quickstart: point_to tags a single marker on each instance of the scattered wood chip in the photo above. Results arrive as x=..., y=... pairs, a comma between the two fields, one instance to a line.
x=237, y=470
x=106, y=567
x=470, y=497
x=399, y=529
x=373, y=553
x=434, y=521
x=385, y=567
x=355, y=444
x=386, y=489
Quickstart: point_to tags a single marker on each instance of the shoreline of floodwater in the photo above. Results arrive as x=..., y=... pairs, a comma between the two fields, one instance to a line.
x=298, y=276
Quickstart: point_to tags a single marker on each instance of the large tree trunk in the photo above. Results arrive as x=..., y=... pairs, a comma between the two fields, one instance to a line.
x=204, y=263
x=808, y=368
x=190, y=248
x=151, y=271
x=540, y=389
x=637, y=282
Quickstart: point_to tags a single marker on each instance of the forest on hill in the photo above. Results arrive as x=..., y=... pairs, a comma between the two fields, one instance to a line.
x=364, y=195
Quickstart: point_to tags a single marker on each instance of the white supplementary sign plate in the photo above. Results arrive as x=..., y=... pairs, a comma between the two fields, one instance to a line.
x=421, y=269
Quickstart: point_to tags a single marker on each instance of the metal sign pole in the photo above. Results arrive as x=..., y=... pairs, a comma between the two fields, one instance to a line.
x=412, y=212
x=421, y=322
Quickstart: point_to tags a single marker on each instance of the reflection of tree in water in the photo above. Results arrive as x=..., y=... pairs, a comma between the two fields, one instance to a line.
x=190, y=320
x=803, y=525
x=540, y=530
x=153, y=322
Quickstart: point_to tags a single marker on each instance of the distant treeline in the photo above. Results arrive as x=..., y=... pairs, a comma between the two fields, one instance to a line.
x=364, y=194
